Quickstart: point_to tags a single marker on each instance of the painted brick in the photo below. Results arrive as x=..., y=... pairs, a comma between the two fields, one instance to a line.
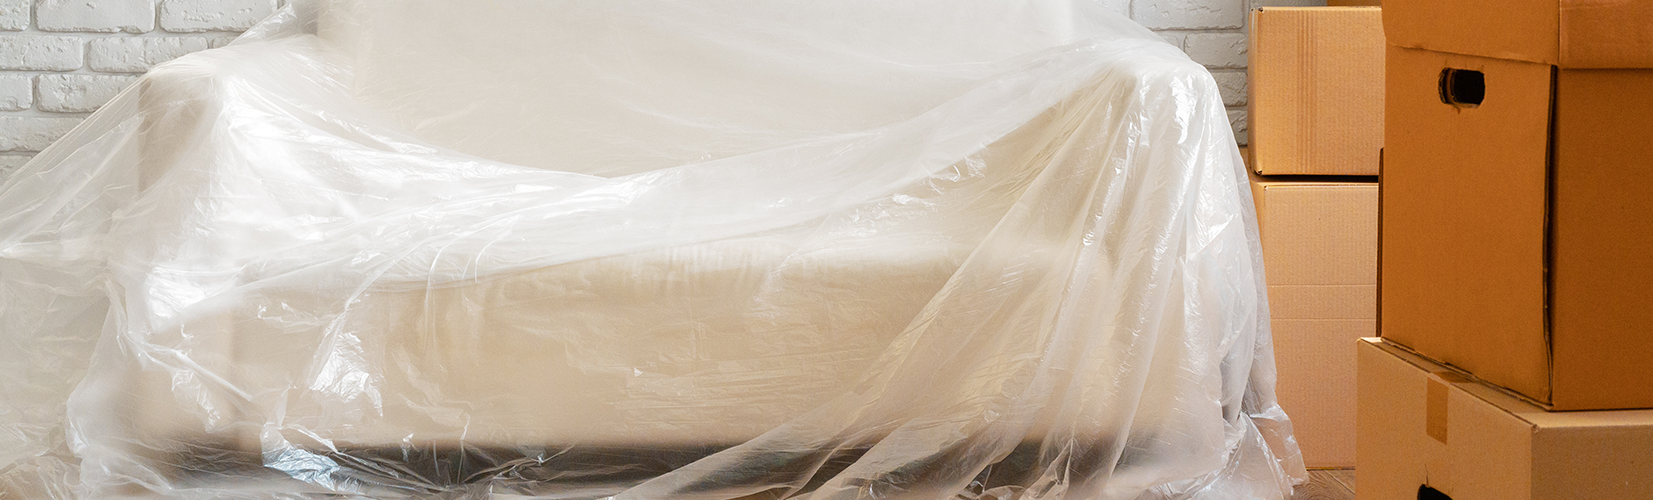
x=32, y=133
x=1173, y=38
x=1237, y=121
x=10, y=164
x=1189, y=14
x=41, y=53
x=100, y=16
x=16, y=92
x=1121, y=7
x=138, y=54
x=213, y=15
x=79, y=93
x=14, y=15
x=1217, y=50
x=1232, y=84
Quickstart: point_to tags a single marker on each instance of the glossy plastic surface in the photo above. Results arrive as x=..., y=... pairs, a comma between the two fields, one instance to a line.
x=708, y=250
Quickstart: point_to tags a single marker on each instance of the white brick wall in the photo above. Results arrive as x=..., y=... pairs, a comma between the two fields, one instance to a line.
x=61, y=59
x=187, y=16
x=27, y=134
x=137, y=54
x=95, y=16
x=77, y=93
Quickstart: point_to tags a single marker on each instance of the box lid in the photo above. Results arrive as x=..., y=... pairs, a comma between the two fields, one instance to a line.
x=1567, y=33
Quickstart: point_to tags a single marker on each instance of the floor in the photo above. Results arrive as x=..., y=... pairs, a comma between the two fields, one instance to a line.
x=1328, y=484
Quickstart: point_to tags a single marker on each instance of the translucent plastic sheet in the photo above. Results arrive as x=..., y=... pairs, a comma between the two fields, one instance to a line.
x=704, y=250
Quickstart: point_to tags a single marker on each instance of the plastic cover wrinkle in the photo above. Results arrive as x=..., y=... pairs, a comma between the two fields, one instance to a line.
x=646, y=249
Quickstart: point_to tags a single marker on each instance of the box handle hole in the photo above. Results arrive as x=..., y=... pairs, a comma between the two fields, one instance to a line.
x=1463, y=88
x=1427, y=493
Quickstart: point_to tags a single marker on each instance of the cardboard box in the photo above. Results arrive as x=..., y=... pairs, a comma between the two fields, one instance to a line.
x=1566, y=33
x=1354, y=3
x=1320, y=255
x=1424, y=425
x=1517, y=234
x=1316, y=90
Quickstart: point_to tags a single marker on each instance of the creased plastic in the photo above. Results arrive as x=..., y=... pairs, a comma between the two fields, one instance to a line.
x=646, y=249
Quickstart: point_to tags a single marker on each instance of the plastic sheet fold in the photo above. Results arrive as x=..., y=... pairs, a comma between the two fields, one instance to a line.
x=646, y=249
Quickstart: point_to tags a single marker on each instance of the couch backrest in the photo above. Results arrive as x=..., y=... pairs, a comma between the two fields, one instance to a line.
x=617, y=87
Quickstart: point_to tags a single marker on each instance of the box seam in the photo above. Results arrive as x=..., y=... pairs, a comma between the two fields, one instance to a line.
x=1549, y=239
x=1466, y=374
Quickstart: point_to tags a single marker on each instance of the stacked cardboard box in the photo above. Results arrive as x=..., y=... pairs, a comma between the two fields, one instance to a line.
x=1426, y=428
x=1316, y=108
x=1518, y=205
x=1316, y=84
x=1517, y=220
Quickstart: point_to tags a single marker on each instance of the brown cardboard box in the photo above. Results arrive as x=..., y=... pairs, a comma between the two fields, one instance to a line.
x=1422, y=424
x=1517, y=235
x=1354, y=3
x=1316, y=90
x=1566, y=33
x=1320, y=254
